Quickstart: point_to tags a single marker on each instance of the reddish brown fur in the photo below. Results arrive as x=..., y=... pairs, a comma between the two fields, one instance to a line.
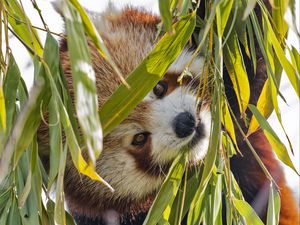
x=254, y=183
x=247, y=171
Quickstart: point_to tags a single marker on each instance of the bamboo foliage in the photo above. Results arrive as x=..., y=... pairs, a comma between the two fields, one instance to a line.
x=194, y=194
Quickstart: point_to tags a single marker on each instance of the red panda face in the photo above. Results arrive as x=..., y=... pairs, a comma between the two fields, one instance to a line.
x=137, y=153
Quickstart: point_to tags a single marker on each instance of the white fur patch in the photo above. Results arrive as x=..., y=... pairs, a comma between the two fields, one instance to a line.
x=179, y=65
x=165, y=143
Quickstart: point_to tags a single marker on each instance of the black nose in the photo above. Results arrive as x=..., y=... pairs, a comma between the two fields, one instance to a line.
x=184, y=124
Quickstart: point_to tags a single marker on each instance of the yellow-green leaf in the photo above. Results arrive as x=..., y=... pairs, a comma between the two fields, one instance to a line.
x=84, y=83
x=234, y=63
x=288, y=68
x=168, y=191
x=272, y=137
x=227, y=121
x=165, y=13
x=247, y=212
x=22, y=27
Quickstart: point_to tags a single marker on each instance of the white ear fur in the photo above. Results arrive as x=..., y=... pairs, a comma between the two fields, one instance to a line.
x=58, y=7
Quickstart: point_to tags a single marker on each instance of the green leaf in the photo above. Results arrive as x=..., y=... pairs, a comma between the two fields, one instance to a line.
x=235, y=65
x=59, y=211
x=168, y=190
x=273, y=206
x=55, y=136
x=272, y=137
x=84, y=83
x=215, y=135
x=278, y=11
x=11, y=84
x=288, y=68
x=227, y=121
x=93, y=34
x=247, y=212
x=222, y=15
x=249, y=8
x=24, y=129
x=71, y=138
x=22, y=27
x=146, y=75
x=295, y=57
x=165, y=13
x=2, y=112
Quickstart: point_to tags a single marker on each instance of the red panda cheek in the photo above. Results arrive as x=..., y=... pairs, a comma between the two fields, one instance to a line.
x=142, y=155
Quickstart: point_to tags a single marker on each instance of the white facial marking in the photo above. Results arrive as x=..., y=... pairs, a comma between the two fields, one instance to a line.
x=165, y=143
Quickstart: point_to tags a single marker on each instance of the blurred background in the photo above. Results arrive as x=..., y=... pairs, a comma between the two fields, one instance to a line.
x=290, y=110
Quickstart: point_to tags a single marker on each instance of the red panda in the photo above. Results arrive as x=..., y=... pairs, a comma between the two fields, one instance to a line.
x=137, y=153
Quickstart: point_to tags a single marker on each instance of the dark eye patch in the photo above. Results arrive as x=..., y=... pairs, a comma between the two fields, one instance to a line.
x=140, y=139
x=160, y=89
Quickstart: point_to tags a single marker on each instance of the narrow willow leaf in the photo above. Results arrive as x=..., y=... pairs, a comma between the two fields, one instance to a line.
x=252, y=45
x=214, y=142
x=79, y=162
x=4, y=197
x=11, y=84
x=84, y=82
x=249, y=8
x=27, y=164
x=59, y=211
x=165, y=13
x=29, y=119
x=222, y=15
x=272, y=137
x=14, y=215
x=217, y=198
x=192, y=185
x=273, y=206
x=260, y=42
x=288, y=68
x=278, y=11
x=241, y=27
x=2, y=111
x=93, y=34
x=295, y=57
x=26, y=190
x=227, y=121
x=23, y=131
x=237, y=72
x=168, y=190
x=55, y=136
x=4, y=214
x=247, y=212
x=22, y=27
x=147, y=74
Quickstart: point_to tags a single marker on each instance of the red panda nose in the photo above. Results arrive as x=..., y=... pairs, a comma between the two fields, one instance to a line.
x=184, y=124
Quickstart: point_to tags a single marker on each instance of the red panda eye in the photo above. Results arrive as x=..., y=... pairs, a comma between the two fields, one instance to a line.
x=160, y=89
x=140, y=138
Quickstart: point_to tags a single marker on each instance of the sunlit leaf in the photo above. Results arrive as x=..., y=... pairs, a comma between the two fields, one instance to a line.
x=273, y=206
x=234, y=63
x=59, y=211
x=272, y=137
x=247, y=212
x=194, y=212
x=168, y=191
x=222, y=15
x=22, y=27
x=165, y=13
x=84, y=82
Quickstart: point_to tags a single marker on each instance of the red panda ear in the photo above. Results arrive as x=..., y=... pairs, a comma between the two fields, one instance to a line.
x=58, y=7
